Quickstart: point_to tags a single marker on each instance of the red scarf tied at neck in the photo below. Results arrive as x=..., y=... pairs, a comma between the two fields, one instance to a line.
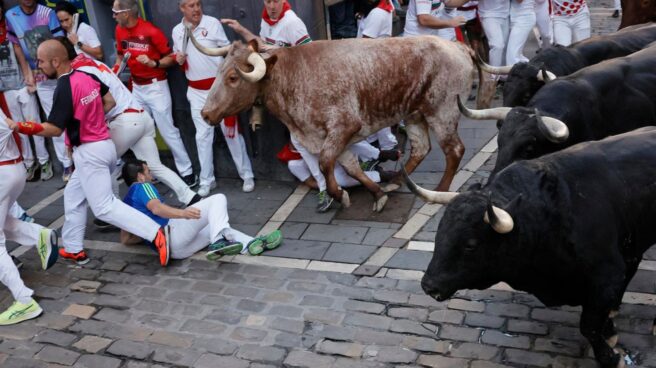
x=386, y=5
x=271, y=22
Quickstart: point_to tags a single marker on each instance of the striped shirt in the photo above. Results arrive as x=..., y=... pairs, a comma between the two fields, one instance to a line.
x=138, y=197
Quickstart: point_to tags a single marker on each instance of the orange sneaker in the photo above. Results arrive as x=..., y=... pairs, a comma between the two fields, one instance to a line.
x=161, y=242
x=79, y=257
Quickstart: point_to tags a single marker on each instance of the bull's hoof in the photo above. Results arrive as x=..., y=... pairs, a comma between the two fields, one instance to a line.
x=379, y=204
x=346, y=201
x=390, y=187
x=612, y=341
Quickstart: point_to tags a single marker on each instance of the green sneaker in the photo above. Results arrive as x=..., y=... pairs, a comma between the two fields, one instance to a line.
x=19, y=312
x=325, y=201
x=268, y=242
x=46, y=171
x=47, y=248
x=222, y=248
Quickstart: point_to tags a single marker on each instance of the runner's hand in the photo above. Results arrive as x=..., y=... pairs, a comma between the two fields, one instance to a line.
x=180, y=58
x=191, y=213
x=232, y=24
x=143, y=59
x=458, y=21
x=12, y=124
x=73, y=38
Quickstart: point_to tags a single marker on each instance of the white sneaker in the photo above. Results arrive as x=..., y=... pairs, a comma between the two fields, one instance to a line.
x=249, y=185
x=204, y=190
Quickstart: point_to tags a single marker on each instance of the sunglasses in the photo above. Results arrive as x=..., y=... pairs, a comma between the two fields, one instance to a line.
x=120, y=11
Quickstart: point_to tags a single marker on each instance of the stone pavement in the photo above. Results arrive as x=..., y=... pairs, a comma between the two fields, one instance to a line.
x=285, y=309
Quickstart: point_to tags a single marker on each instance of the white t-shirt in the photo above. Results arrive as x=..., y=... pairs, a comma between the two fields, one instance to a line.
x=288, y=31
x=8, y=148
x=493, y=8
x=88, y=36
x=209, y=33
x=431, y=7
x=568, y=8
x=122, y=95
x=377, y=24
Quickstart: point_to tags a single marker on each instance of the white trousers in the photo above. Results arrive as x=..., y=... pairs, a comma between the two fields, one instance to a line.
x=156, y=100
x=496, y=30
x=23, y=106
x=11, y=186
x=617, y=5
x=364, y=151
x=568, y=29
x=205, y=141
x=136, y=131
x=312, y=162
x=46, y=92
x=90, y=185
x=301, y=171
x=386, y=140
x=543, y=22
x=16, y=210
x=190, y=236
x=521, y=25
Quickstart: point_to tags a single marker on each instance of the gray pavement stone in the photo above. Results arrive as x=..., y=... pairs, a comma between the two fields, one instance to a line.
x=447, y=316
x=499, y=338
x=529, y=327
x=469, y=350
x=409, y=260
x=306, y=359
x=438, y=361
x=20, y=349
x=286, y=311
x=358, y=306
x=288, y=325
x=366, y=270
x=54, y=354
x=425, y=344
x=457, y=333
x=203, y=327
x=507, y=310
x=176, y=356
x=248, y=334
x=346, y=349
x=306, y=286
x=389, y=354
x=130, y=349
x=415, y=328
x=554, y=315
x=483, y=320
x=378, y=237
x=335, y=233
x=348, y=253
x=55, y=337
x=261, y=353
x=318, y=301
x=558, y=346
x=293, y=230
x=368, y=320
x=303, y=249
x=97, y=361
x=528, y=357
x=215, y=345
x=376, y=337
x=213, y=361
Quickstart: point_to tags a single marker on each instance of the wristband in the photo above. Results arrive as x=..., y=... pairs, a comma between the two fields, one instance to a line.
x=29, y=128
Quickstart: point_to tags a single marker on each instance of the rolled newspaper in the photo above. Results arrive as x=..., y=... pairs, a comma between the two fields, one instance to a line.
x=124, y=63
x=185, y=39
x=76, y=22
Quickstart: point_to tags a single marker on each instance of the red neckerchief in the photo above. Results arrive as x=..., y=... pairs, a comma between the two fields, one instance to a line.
x=3, y=31
x=271, y=22
x=386, y=5
x=82, y=60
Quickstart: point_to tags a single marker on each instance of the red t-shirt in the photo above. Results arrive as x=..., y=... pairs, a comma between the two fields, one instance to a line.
x=142, y=39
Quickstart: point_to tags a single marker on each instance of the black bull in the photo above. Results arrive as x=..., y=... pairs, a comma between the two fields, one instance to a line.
x=523, y=83
x=611, y=97
x=580, y=221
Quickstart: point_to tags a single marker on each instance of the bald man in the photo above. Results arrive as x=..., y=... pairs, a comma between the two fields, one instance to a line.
x=82, y=101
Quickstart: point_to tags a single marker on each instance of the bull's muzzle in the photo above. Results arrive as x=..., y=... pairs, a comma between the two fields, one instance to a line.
x=210, y=117
x=433, y=291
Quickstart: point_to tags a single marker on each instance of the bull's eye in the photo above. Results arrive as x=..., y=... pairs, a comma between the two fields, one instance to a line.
x=471, y=244
x=233, y=78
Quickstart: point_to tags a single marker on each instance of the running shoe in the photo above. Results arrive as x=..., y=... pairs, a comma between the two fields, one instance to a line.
x=162, y=245
x=47, y=247
x=68, y=171
x=325, y=201
x=222, y=248
x=19, y=312
x=80, y=257
x=46, y=171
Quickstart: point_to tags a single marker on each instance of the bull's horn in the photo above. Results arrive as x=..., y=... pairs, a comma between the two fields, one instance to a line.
x=259, y=68
x=427, y=195
x=496, y=113
x=499, y=219
x=493, y=69
x=216, y=51
x=545, y=76
x=553, y=129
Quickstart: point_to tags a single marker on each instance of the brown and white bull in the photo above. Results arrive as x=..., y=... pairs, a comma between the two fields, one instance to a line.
x=331, y=94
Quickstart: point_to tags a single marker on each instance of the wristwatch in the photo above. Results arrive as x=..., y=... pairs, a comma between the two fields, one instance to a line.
x=79, y=44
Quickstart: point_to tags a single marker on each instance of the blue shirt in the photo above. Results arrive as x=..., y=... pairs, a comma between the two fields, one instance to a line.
x=138, y=197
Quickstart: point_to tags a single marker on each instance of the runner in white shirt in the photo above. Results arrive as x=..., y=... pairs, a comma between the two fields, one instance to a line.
x=13, y=175
x=84, y=37
x=571, y=21
x=130, y=127
x=433, y=17
x=201, y=70
x=543, y=22
x=495, y=17
x=377, y=23
x=522, y=21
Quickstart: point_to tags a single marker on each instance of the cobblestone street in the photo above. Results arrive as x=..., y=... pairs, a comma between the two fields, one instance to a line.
x=342, y=290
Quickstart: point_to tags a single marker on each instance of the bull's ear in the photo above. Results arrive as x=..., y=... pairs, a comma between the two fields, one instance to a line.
x=253, y=45
x=270, y=62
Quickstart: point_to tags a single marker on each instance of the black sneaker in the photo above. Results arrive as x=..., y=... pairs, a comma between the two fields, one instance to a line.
x=191, y=180
x=616, y=14
x=17, y=262
x=102, y=225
